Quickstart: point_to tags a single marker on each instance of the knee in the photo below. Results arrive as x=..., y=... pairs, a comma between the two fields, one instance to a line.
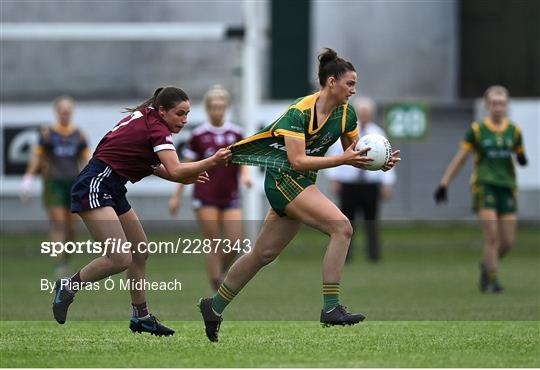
x=122, y=261
x=265, y=257
x=140, y=258
x=493, y=240
x=58, y=224
x=341, y=228
x=348, y=229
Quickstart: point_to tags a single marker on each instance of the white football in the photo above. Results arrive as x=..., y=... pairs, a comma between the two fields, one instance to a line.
x=380, y=151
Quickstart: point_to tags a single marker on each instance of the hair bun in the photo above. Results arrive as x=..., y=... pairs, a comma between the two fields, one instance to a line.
x=326, y=56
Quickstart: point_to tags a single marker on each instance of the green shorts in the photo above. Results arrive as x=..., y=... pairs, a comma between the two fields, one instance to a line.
x=502, y=199
x=57, y=193
x=281, y=187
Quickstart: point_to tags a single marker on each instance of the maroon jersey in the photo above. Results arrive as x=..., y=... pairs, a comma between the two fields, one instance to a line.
x=205, y=141
x=131, y=147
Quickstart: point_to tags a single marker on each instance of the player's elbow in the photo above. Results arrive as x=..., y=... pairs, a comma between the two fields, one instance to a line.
x=297, y=164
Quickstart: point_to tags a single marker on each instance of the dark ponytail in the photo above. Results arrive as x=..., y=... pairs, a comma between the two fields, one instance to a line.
x=166, y=97
x=332, y=65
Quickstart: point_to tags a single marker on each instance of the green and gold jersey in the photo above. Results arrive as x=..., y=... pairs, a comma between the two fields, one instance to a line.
x=267, y=147
x=493, y=147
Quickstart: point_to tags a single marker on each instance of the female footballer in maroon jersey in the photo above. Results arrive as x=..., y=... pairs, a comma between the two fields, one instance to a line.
x=216, y=203
x=138, y=146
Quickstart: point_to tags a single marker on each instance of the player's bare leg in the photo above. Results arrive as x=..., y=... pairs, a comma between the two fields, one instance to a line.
x=314, y=209
x=135, y=234
x=142, y=320
x=490, y=230
x=62, y=268
x=209, y=222
x=507, y=233
x=57, y=233
x=103, y=223
x=276, y=233
x=233, y=231
x=70, y=225
x=57, y=218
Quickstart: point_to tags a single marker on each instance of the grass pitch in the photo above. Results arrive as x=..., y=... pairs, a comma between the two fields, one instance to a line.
x=275, y=344
x=422, y=303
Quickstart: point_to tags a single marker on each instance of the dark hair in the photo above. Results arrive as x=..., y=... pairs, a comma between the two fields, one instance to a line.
x=332, y=65
x=166, y=97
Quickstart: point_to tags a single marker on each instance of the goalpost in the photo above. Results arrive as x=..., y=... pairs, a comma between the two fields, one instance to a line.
x=249, y=34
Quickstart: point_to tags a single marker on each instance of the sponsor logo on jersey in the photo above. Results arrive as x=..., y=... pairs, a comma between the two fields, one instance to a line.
x=308, y=151
x=278, y=146
x=327, y=138
x=314, y=150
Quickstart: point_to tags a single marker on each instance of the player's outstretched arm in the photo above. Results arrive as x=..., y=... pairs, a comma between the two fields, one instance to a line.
x=187, y=173
x=452, y=170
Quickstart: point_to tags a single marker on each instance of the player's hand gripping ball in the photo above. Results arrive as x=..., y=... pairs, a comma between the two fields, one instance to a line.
x=380, y=151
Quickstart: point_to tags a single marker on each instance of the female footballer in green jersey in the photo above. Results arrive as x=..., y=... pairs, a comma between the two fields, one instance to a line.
x=292, y=149
x=493, y=140
x=61, y=153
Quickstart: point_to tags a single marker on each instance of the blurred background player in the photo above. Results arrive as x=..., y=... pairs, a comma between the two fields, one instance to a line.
x=61, y=152
x=217, y=202
x=493, y=140
x=361, y=190
x=138, y=146
x=293, y=148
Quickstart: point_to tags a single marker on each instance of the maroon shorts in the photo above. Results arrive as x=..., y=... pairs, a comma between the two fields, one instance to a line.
x=222, y=206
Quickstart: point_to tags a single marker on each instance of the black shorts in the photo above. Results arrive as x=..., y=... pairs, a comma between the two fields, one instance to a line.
x=99, y=186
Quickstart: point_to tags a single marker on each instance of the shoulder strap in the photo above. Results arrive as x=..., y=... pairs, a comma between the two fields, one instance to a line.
x=476, y=130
